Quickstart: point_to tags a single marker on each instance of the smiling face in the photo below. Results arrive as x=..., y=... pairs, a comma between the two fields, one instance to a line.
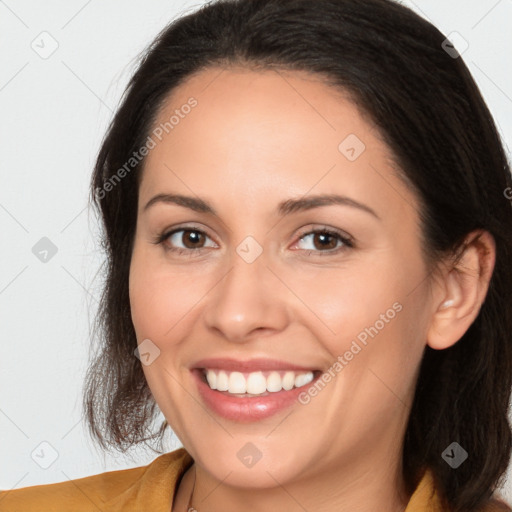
x=249, y=278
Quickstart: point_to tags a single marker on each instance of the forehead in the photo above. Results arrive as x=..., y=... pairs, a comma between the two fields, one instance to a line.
x=257, y=136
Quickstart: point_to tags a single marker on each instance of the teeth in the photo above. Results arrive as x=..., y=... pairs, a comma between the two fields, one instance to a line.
x=289, y=380
x=303, y=379
x=275, y=383
x=256, y=383
x=236, y=383
x=222, y=381
x=211, y=377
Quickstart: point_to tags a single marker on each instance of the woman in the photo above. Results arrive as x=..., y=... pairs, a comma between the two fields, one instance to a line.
x=308, y=236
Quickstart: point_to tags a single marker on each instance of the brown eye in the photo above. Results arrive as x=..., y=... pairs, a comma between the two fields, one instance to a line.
x=192, y=238
x=185, y=240
x=324, y=241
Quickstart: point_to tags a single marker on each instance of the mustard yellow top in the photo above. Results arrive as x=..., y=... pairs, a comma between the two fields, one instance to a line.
x=148, y=488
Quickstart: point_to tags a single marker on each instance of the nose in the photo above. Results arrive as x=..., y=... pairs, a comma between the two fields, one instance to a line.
x=248, y=301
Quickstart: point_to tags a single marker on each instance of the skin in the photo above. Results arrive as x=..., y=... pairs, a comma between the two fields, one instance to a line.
x=256, y=139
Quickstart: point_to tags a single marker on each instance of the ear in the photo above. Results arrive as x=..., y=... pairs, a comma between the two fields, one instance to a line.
x=461, y=290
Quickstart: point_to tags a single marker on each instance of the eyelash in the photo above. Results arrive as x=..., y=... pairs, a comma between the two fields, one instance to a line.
x=347, y=242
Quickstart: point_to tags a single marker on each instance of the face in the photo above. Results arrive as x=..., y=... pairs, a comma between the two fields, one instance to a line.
x=335, y=287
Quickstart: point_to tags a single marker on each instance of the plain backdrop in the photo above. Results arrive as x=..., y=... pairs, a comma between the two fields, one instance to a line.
x=63, y=67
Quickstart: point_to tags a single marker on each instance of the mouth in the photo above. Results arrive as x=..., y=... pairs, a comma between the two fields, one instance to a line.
x=249, y=396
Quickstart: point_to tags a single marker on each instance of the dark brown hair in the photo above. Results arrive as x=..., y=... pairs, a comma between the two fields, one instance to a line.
x=433, y=118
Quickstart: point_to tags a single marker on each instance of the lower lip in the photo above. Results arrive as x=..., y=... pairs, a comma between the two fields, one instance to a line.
x=246, y=410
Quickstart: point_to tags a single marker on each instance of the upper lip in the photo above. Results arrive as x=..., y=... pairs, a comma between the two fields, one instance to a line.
x=250, y=365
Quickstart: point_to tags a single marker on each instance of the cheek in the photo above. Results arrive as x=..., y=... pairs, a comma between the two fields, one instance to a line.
x=162, y=298
x=342, y=302
x=384, y=342
x=370, y=314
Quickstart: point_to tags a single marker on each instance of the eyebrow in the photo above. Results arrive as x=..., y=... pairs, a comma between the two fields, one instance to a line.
x=283, y=208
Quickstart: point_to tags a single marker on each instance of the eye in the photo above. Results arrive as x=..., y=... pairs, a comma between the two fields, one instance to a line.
x=325, y=241
x=184, y=240
x=191, y=241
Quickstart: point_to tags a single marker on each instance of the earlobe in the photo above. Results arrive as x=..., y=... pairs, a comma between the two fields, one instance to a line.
x=462, y=289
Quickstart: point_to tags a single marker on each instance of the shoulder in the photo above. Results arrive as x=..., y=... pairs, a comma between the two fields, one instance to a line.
x=123, y=490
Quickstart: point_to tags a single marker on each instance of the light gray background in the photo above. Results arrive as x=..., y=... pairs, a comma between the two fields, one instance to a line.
x=54, y=113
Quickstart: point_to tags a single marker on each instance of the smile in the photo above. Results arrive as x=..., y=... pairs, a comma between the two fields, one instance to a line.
x=249, y=396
